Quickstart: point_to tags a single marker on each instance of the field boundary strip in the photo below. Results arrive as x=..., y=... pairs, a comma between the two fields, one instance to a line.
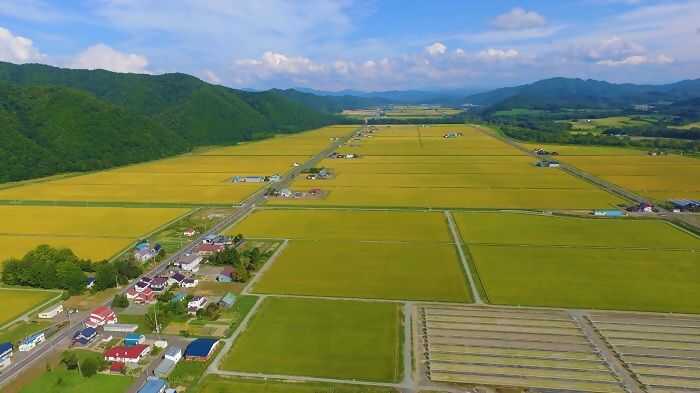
x=468, y=262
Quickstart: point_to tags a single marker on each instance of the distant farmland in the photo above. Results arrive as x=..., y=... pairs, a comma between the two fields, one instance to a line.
x=417, y=166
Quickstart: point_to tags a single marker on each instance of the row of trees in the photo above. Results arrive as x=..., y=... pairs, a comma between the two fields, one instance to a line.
x=245, y=263
x=59, y=268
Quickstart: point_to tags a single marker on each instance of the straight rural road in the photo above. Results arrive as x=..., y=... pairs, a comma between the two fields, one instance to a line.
x=243, y=209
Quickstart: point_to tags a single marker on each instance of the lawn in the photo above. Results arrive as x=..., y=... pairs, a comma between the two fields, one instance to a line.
x=538, y=229
x=345, y=225
x=20, y=330
x=321, y=338
x=20, y=301
x=416, y=271
x=644, y=280
x=67, y=381
x=217, y=384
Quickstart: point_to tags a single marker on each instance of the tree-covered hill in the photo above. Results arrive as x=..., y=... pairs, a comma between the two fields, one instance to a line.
x=54, y=120
x=580, y=93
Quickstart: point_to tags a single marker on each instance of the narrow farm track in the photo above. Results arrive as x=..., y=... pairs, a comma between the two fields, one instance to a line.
x=257, y=198
x=476, y=296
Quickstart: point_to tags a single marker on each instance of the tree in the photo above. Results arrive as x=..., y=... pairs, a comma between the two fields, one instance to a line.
x=89, y=367
x=105, y=276
x=70, y=277
x=120, y=301
x=70, y=360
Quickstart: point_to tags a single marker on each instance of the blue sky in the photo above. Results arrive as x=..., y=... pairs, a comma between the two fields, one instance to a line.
x=361, y=44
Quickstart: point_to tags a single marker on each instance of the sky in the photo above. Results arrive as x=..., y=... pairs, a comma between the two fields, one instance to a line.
x=369, y=45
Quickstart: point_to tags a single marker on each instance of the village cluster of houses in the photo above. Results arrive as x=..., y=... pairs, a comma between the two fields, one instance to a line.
x=257, y=179
x=542, y=152
x=287, y=193
x=452, y=134
x=548, y=164
x=343, y=155
x=322, y=174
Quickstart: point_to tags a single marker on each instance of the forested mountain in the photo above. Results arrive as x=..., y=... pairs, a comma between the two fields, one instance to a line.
x=578, y=93
x=54, y=120
x=332, y=103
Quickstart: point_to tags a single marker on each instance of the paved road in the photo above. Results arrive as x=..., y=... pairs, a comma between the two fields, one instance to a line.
x=476, y=296
x=244, y=209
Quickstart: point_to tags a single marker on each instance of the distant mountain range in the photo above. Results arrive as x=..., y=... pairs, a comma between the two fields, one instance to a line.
x=445, y=97
x=580, y=93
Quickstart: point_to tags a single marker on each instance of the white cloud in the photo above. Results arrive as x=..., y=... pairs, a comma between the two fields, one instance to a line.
x=17, y=49
x=637, y=60
x=101, y=56
x=492, y=54
x=519, y=19
x=211, y=77
x=436, y=49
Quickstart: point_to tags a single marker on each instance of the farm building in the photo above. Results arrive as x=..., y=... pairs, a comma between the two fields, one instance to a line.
x=201, y=349
x=176, y=279
x=123, y=354
x=642, y=208
x=159, y=283
x=189, y=283
x=180, y=296
x=190, y=263
x=608, y=213
x=248, y=179
x=209, y=239
x=51, y=312
x=32, y=341
x=85, y=336
x=153, y=385
x=189, y=232
x=132, y=339
x=548, y=164
x=121, y=327
x=101, y=316
x=197, y=303
x=90, y=282
x=286, y=193
x=170, y=360
x=208, y=249
x=226, y=275
x=228, y=300
x=685, y=204
x=5, y=354
x=145, y=255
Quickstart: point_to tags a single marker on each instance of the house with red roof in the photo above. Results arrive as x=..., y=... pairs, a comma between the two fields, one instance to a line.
x=124, y=354
x=209, y=249
x=101, y=316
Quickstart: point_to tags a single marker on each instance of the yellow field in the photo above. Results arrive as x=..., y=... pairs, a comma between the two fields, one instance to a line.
x=18, y=301
x=414, y=166
x=92, y=232
x=659, y=177
x=196, y=178
x=344, y=224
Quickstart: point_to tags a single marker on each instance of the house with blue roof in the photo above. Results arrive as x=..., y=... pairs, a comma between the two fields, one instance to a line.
x=5, y=354
x=32, y=341
x=201, y=349
x=132, y=339
x=153, y=385
x=85, y=336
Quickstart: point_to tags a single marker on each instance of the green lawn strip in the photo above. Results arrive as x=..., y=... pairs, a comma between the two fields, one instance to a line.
x=136, y=319
x=218, y=384
x=69, y=381
x=321, y=338
x=396, y=271
x=22, y=329
x=639, y=280
x=239, y=311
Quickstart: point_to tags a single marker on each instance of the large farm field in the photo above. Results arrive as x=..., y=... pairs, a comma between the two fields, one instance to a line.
x=624, y=264
x=91, y=232
x=19, y=301
x=322, y=338
x=364, y=254
x=659, y=177
x=416, y=166
x=202, y=177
